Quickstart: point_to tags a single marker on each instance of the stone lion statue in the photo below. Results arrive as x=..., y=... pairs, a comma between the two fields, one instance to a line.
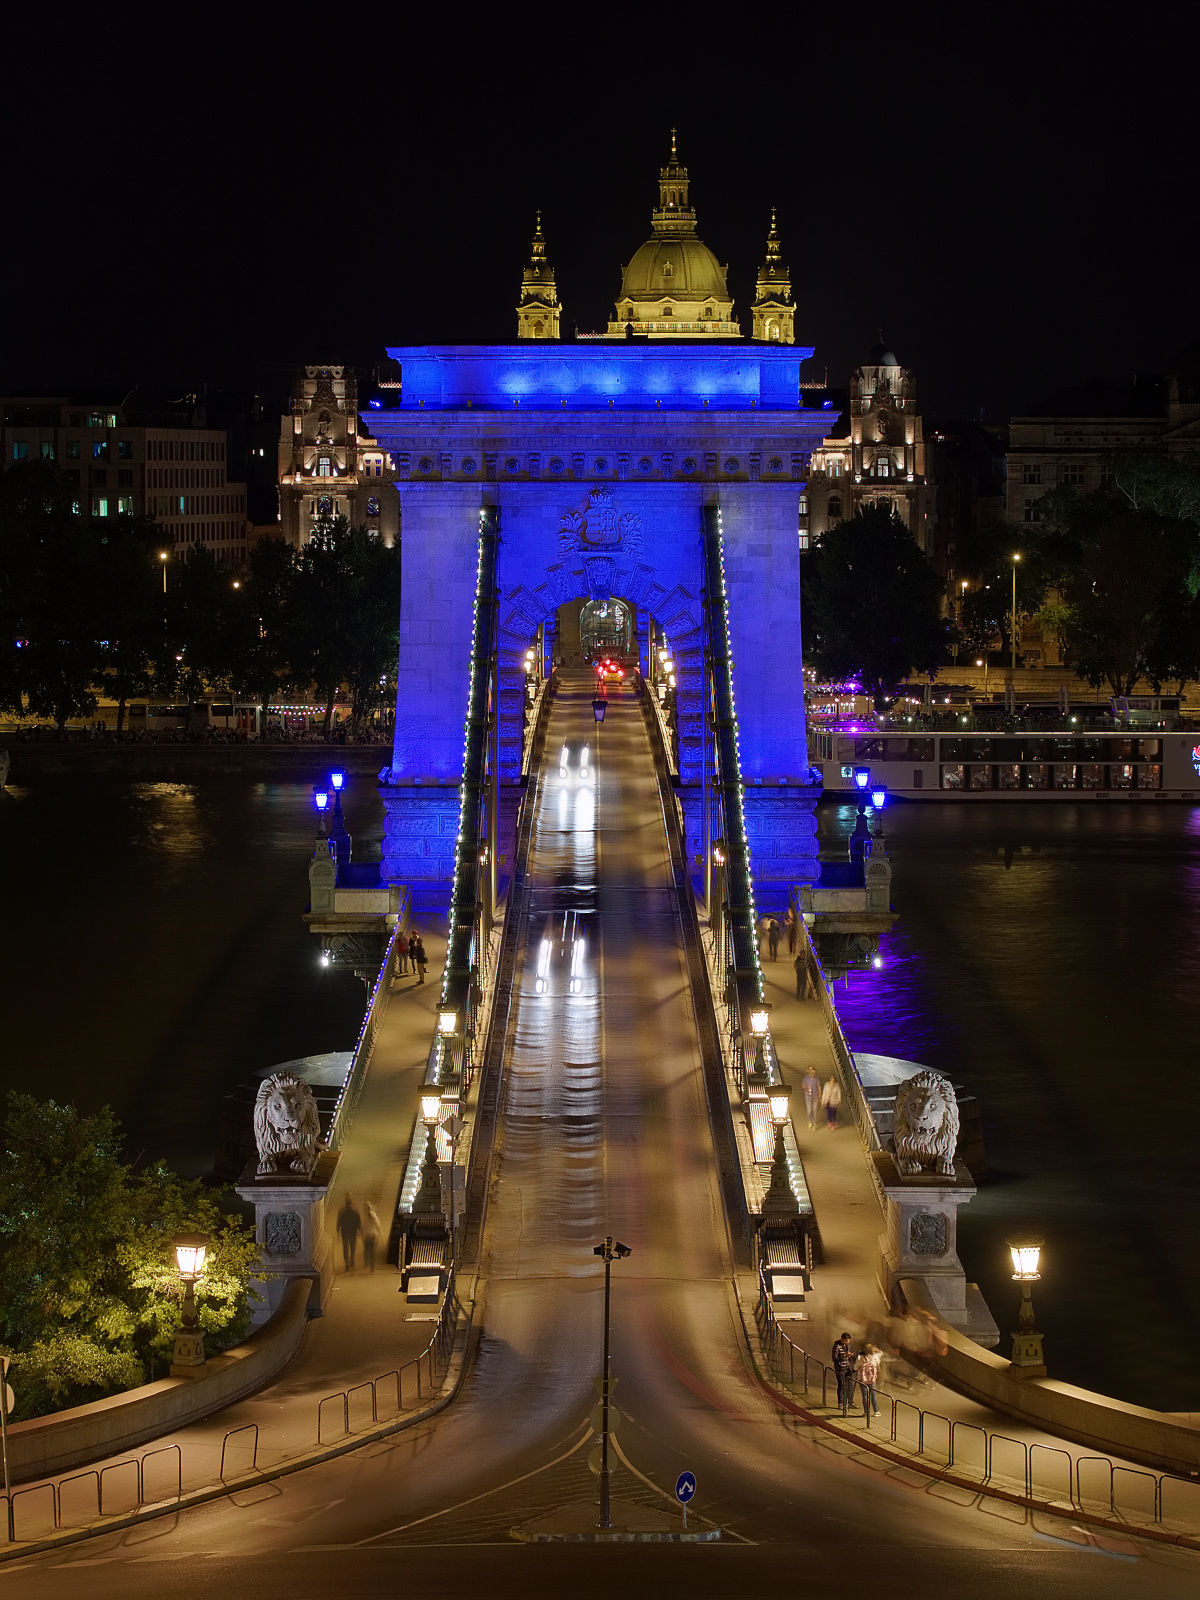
x=286, y=1125
x=925, y=1125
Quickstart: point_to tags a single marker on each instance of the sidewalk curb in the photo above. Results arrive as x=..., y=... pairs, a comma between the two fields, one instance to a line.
x=1052, y=1508
x=460, y=1362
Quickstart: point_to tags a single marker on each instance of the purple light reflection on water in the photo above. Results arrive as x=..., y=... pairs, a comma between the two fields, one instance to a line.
x=1046, y=959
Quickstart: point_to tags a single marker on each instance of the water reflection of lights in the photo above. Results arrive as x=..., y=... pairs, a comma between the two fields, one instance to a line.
x=585, y=772
x=562, y=761
x=577, y=953
x=543, y=967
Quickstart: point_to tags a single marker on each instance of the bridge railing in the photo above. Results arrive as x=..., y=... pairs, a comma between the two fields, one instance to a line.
x=347, y=1101
x=1027, y=1470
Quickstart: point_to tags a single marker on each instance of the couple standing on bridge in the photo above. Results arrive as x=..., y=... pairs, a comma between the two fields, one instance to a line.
x=410, y=947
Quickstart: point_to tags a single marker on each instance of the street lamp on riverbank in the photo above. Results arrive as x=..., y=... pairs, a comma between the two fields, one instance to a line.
x=611, y=1250
x=1015, y=558
x=1027, y=1356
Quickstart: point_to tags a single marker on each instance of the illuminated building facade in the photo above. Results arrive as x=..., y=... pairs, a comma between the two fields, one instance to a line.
x=875, y=456
x=329, y=464
x=539, y=310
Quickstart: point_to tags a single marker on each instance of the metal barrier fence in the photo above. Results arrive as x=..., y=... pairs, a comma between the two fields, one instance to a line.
x=1040, y=1472
x=435, y=1357
x=123, y=1486
x=66, y=1505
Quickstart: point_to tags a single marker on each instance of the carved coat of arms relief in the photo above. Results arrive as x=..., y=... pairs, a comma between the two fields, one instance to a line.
x=596, y=525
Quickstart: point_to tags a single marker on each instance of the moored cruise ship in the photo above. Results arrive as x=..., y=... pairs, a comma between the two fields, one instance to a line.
x=1111, y=763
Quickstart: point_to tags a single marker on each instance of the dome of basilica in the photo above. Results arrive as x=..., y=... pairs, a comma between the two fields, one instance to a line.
x=684, y=267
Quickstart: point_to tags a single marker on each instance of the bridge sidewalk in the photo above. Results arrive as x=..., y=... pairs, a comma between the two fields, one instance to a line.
x=368, y=1328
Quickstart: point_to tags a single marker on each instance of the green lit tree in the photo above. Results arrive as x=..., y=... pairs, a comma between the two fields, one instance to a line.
x=89, y=1298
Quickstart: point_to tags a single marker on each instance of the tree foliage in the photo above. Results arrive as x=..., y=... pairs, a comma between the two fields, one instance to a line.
x=89, y=1293
x=871, y=605
x=82, y=610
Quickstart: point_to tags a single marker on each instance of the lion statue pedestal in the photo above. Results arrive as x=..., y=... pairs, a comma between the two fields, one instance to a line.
x=288, y=1185
x=923, y=1185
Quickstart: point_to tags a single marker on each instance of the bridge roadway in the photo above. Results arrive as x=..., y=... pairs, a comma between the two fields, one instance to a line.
x=604, y=1129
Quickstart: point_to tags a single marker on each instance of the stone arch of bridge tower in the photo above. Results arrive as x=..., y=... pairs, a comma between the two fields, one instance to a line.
x=675, y=606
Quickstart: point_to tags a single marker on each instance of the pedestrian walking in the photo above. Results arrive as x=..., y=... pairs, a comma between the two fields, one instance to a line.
x=349, y=1224
x=811, y=1085
x=801, y=966
x=401, y=953
x=371, y=1229
x=831, y=1099
x=843, y=1370
x=773, y=938
x=866, y=1375
x=792, y=928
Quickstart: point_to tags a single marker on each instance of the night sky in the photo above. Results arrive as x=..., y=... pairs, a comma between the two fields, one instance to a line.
x=1011, y=197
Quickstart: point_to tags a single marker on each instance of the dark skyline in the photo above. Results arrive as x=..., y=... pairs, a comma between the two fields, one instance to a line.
x=1009, y=199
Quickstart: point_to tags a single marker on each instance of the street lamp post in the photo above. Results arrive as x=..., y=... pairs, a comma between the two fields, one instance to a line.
x=611, y=1250
x=1016, y=557
x=164, y=557
x=1027, y=1356
x=190, y=1251
x=779, y=1199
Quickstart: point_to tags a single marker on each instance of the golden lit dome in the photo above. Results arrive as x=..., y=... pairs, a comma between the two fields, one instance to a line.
x=674, y=266
x=674, y=287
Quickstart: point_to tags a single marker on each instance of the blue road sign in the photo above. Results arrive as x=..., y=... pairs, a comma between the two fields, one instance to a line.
x=685, y=1486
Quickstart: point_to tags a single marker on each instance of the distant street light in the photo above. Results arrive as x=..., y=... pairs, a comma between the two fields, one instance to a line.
x=164, y=556
x=1015, y=558
x=779, y=1198
x=1027, y=1356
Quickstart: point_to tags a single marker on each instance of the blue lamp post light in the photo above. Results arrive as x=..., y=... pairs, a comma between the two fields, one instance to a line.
x=321, y=801
x=862, y=778
x=879, y=795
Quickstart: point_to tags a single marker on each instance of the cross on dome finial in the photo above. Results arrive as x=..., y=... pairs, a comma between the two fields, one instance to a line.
x=673, y=153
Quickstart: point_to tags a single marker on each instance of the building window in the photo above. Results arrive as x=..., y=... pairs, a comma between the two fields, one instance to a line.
x=20, y=450
x=835, y=505
x=668, y=311
x=1032, y=511
x=125, y=479
x=1071, y=472
x=47, y=450
x=324, y=505
x=1031, y=474
x=125, y=449
x=834, y=468
x=1107, y=476
x=72, y=449
x=372, y=505
x=125, y=505
x=99, y=477
x=803, y=505
x=881, y=467
x=100, y=450
x=99, y=506
x=325, y=467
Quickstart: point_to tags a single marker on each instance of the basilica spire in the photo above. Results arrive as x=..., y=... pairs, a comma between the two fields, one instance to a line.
x=674, y=215
x=774, y=311
x=538, y=310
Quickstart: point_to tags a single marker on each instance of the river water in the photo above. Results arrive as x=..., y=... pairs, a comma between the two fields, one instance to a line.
x=1046, y=958
x=153, y=955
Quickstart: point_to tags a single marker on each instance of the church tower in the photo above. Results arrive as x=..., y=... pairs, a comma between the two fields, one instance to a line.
x=674, y=287
x=773, y=310
x=538, y=311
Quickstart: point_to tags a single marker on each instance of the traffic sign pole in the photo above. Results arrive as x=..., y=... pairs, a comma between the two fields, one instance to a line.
x=685, y=1488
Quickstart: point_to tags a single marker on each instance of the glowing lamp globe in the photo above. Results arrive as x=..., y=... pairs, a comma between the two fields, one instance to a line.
x=777, y=1096
x=1026, y=1255
x=447, y=1022
x=879, y=796
x=321, y=799
x=190, y=1251
x=862, y=777
x=760, y=1020
x=337, y=779
x=430, y=1106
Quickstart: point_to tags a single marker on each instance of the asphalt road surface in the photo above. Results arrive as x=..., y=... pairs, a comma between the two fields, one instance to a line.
x=605, y=1130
